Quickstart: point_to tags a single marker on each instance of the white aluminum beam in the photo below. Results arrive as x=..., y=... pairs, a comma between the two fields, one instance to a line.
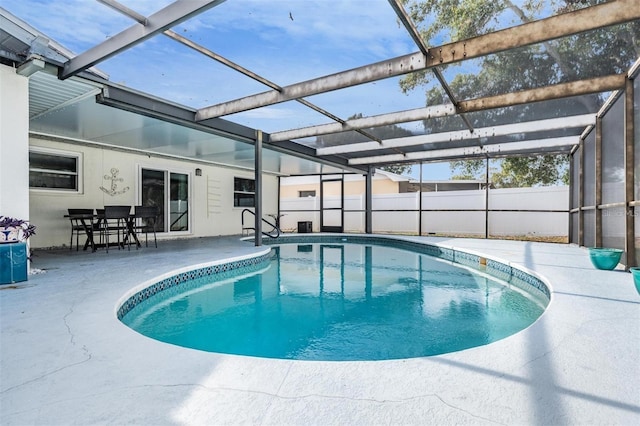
x=203, y=50
x=209, y=53
x=485, y=132
x=125, y=10
x=635, y=68
x=543, y=145
x=365, y=122
x=173, y=14
x=556, y=91
x=354, y=77
x=566, y=24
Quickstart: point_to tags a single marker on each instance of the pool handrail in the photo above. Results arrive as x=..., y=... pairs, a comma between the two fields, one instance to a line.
x=274, y=233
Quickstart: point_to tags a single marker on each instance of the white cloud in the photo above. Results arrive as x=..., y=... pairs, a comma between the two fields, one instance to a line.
x=271, y=113
x=354, y=26
x=76, y=24
x=242, y=29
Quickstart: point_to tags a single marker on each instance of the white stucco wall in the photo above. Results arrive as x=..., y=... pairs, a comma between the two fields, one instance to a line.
x=14, y=144
x=212, y=212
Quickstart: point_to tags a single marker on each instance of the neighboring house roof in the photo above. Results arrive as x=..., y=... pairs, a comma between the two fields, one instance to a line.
x=392, y=176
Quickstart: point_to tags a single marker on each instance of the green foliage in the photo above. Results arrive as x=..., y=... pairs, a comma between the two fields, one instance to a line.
x=520, y=172
x=516, y=172
x=398, y=169
x=609, y=51
x=467, y=169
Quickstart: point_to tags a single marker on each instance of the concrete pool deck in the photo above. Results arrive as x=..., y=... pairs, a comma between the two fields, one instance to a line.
x=66, y=359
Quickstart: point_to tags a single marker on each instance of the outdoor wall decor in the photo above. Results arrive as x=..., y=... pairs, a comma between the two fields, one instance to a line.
x=113, y=177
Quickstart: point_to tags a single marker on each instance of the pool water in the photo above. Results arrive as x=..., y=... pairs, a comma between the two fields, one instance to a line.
x=340, y=302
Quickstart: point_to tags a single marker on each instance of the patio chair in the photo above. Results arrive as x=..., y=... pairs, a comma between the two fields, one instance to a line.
x=115, y=222
x=97, y=225
x=77, y=225
x=146, y=218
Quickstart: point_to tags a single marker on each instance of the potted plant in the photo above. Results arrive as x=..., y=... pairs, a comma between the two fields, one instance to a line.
x=13, y=230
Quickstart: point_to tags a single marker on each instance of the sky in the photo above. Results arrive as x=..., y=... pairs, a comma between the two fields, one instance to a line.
x=284, y=41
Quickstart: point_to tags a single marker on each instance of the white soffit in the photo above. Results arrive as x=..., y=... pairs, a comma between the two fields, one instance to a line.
x=47, y=93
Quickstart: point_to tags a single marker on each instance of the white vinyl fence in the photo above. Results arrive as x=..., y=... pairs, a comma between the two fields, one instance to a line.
x=542, y=212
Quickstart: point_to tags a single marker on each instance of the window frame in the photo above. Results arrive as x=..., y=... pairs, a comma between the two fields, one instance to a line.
x=253, y=193
x=78, y=156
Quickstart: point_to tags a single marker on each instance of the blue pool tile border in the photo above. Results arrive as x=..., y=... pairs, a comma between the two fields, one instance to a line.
x=220, y=271
x=499, y=270
x=502, y=271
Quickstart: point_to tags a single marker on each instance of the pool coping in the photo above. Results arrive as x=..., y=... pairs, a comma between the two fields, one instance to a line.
x=495, y=266
x=173, y=279
x=66, y=359
x=528, y=281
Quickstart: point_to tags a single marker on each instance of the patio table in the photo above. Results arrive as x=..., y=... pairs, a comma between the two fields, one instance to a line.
x=131, y=230
x=87, y=221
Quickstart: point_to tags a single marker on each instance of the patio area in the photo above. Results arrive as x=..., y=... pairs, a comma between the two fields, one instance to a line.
x=66, y=359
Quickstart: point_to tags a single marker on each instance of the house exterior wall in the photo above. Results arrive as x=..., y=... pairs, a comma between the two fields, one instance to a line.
x=211, y=211
x=14, y=144
x=291, y=191
x=351, y=187
x=382, y=186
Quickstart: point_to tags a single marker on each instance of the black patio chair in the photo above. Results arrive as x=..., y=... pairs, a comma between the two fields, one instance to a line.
x=97, y=224
x=76, y=217
x=146, y=218
x=115, y=222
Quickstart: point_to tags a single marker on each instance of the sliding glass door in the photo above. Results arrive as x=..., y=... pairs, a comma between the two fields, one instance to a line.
x=169, y=192
x=179, y=202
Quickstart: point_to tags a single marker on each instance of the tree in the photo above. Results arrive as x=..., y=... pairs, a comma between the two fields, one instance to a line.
x=382, y=132
x=516, y=172
x=609, y=51
x=398, y=169
x=467, y=169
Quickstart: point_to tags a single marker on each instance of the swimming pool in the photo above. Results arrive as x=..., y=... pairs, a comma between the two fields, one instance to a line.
x=335, y=300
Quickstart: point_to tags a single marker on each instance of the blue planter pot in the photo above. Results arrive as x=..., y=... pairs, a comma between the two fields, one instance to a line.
x=605, y=258
x=13, y=263
x=635, y=271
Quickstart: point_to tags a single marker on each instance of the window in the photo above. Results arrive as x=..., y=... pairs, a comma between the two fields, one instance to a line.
x=244, y=192
x=303, y=194
x=169, y=192
x=54, y=170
